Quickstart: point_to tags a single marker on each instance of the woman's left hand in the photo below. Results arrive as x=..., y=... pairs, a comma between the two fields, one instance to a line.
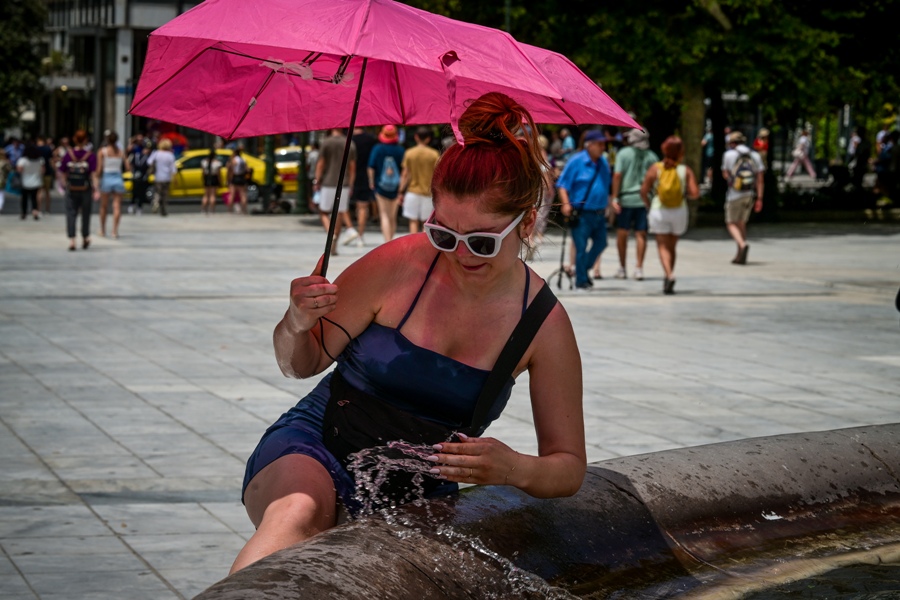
x=476, y=460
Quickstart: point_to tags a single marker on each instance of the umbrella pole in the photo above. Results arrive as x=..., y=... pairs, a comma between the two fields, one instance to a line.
x=329, y=241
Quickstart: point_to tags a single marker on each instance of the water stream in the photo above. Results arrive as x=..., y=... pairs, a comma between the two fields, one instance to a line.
x=372, y=468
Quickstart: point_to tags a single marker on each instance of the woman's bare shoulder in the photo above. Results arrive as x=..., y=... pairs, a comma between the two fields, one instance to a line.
x=390, y=264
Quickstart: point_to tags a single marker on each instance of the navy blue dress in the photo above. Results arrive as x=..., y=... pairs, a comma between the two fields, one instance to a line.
x=383, y=363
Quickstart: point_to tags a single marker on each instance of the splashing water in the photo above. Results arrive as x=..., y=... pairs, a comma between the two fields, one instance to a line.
x=391, y=475
x=374, y=468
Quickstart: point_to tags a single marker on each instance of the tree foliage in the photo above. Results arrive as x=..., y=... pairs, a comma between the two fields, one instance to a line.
x=21, y=23
x=801, y=56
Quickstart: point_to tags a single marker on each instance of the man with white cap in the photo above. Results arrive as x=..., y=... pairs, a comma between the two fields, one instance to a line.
x=632, y=163
x=743, y=169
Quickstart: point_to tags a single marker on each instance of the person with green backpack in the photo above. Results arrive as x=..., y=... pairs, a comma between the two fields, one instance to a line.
x=666, y=187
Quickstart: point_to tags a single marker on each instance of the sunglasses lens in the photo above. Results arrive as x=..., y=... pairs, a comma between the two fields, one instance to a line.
x=482, y=245
x=442, y=239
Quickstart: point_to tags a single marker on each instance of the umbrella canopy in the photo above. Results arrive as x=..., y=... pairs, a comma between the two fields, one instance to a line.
x=239, y=69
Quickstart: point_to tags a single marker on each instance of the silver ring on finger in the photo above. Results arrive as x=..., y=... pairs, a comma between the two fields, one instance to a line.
x=470, y=472
x=316, y=300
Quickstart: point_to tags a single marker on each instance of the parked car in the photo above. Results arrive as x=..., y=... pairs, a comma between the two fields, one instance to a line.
x=188, y=179
x=286, y=160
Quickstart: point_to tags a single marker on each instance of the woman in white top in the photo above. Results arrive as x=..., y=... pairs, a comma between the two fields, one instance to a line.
x=31, y=169
x=111, y=162
x=668, y=217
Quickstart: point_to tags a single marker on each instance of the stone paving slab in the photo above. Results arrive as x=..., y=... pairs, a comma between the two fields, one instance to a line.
x=136, y=377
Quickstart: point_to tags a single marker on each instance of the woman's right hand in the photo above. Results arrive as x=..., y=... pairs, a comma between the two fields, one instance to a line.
x=312, y=297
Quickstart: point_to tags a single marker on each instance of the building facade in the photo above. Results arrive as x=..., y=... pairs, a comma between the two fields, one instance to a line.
x=96, y=51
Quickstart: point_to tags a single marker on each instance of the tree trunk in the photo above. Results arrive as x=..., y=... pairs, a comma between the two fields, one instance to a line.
x=693, y=120
x=718, y=117
x=693, y=116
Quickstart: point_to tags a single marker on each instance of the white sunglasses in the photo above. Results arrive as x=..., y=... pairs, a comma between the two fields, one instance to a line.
x=485, y=245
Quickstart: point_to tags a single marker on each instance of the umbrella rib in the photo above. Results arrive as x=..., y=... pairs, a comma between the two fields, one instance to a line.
x=250, y=105
x=560, y=107
x=308, y=60
x=399, y=94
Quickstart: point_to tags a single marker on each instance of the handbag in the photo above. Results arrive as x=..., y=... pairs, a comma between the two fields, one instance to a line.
x=355, y=420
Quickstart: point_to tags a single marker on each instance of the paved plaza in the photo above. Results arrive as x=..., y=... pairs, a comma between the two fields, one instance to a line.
x=137, y=376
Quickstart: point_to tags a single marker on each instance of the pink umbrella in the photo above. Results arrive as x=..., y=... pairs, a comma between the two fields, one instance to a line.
x=238, y=69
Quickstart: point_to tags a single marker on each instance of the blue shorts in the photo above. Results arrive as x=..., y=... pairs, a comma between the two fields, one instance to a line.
x=299, y=431
x=112, y=183
x=632, y=218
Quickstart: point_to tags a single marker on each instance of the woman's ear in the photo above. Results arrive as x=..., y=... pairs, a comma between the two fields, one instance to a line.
x=528, y=223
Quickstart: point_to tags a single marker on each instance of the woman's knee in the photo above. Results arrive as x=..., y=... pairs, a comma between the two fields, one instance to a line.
x=297, y=515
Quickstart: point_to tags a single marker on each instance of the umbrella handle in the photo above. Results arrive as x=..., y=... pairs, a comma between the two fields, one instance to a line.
x=329, y=240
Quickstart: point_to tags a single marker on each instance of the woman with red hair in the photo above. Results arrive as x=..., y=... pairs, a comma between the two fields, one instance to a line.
x=666, y=186
x=417, y=326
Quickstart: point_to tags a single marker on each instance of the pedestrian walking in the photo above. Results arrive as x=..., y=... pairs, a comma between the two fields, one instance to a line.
x=238, y=175
x=363, y=196
x=140, y=176
x=30, y=168
x=45, y=147
x=211, y=168
x=761, y=145
x=583, y=189
x=383, y=174
x=707, y=149
x=418, y=165
x=665, y=190
x=801, y=156
x=78, y=169
x=162, y=162
x=632, y=163
x=111, y=163
x=6, y=168
x=743, y=169
x=328, y=180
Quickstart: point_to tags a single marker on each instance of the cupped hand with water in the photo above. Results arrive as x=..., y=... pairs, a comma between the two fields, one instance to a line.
x=485, y=461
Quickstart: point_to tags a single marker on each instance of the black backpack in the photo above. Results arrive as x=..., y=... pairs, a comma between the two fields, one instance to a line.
x=79, y=173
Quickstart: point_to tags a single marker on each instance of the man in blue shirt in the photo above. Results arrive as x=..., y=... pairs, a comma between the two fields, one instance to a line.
x=584, y=189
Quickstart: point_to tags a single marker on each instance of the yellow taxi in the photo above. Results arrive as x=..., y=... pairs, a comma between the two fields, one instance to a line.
x=188, y=179
x=286, y=160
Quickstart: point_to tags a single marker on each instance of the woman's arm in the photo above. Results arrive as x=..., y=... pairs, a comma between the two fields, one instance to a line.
x=352, y=302
x=554, y=368
x=556, y=404
x=647, y=185
x=693, y=190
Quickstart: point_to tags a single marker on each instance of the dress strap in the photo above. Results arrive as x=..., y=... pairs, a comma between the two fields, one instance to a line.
x=422, y=287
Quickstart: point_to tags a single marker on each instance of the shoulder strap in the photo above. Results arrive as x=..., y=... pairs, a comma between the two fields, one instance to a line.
x=419, y=293
x=512, y=352
x=591, y=185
